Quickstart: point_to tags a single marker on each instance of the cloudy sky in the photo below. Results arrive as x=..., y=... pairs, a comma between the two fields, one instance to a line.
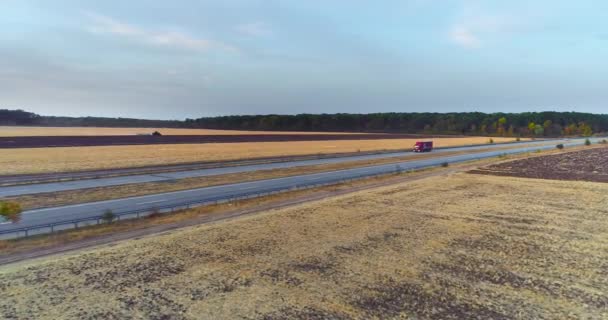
x=177, y=59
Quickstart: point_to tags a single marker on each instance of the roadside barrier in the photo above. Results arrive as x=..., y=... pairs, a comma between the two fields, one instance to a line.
x=142, y=213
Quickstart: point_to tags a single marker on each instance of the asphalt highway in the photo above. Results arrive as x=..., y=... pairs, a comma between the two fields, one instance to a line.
x=17, y=190
x=88, y=210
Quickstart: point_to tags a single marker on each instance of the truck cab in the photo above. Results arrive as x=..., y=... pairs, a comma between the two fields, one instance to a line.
x=423, y=146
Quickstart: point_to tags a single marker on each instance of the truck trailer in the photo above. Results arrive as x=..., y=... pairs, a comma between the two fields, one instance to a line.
x=423, y=146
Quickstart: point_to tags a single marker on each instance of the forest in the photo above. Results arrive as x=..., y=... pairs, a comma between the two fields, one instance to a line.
x=463, y=123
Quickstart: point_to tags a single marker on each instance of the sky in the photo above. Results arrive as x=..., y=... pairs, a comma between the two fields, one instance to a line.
x=188, y=59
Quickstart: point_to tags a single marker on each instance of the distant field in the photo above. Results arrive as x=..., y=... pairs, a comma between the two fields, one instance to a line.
x=15, y=131
x=458, y=247
x=38, y=160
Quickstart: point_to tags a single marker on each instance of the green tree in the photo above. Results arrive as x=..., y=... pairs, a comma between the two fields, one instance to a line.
x=547, y=126
x=500, y=126
x=531, y=127
x=585, y=129
x=10, y=211
x=511, y=130
x=571, y=129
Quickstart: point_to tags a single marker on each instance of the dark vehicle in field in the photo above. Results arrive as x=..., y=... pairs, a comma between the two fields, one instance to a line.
x=423, y=146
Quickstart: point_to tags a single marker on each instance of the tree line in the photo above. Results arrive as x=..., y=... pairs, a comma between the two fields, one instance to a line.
x=24, y=118
x=463, y=123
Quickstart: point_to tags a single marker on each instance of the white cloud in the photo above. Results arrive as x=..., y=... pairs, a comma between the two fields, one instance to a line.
x=472, y=30
x=171, y=39
x=255, y=29
x=463, y=36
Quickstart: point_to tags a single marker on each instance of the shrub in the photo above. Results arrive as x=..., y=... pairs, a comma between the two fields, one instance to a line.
x=491, y=140
x=108, y=216
x=445, y=164
x=587, y=142
x=604, y=141
x=155, y=212
x=560, y=146
x=518, y=139
x=10, y=211
x=157, y=133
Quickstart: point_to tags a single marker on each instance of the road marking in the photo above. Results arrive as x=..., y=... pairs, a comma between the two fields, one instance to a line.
x=151, y=202
x=11, y=191
x=314, y=178
x=247, y=188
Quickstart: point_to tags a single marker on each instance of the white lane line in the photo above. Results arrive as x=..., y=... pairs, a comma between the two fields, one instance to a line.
x=314, y=178
x=11, y=191
x=247, y=188
x=150, y=202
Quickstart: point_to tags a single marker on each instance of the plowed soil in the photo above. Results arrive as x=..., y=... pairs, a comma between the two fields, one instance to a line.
x=587, y=165
x=27, y=131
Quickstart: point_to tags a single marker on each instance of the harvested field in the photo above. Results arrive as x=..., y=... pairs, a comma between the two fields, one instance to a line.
x=20, y=131
x=472, y=246
x=89, y=141
x=35, y=160
x=586, y=165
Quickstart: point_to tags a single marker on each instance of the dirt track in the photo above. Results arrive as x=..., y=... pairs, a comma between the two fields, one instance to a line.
x=87, y=141
x=587, y=165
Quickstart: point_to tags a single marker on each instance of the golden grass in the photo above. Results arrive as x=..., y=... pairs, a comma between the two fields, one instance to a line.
x=463, y=246
x=215, y=212
x=17, y=131
x=40, y=160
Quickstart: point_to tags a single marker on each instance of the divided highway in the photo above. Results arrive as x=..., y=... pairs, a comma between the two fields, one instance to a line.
x=89, y=210
x=169, y=176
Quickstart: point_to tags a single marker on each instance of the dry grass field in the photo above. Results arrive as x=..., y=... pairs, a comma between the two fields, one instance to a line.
x=17, y=131
x=39, y=160
x=457, y=247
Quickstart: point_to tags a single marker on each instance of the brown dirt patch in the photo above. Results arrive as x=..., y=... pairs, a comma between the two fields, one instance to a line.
x=585, y=165
x=26, y=131
x=90, y=141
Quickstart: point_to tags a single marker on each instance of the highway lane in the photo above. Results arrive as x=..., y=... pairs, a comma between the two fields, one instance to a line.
x=170, y=176
x=50, y=215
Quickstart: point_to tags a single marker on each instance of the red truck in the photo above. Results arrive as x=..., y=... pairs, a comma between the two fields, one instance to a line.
x=423, y=146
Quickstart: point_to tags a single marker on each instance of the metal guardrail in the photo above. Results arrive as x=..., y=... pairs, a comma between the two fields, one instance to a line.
x=137, y=214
